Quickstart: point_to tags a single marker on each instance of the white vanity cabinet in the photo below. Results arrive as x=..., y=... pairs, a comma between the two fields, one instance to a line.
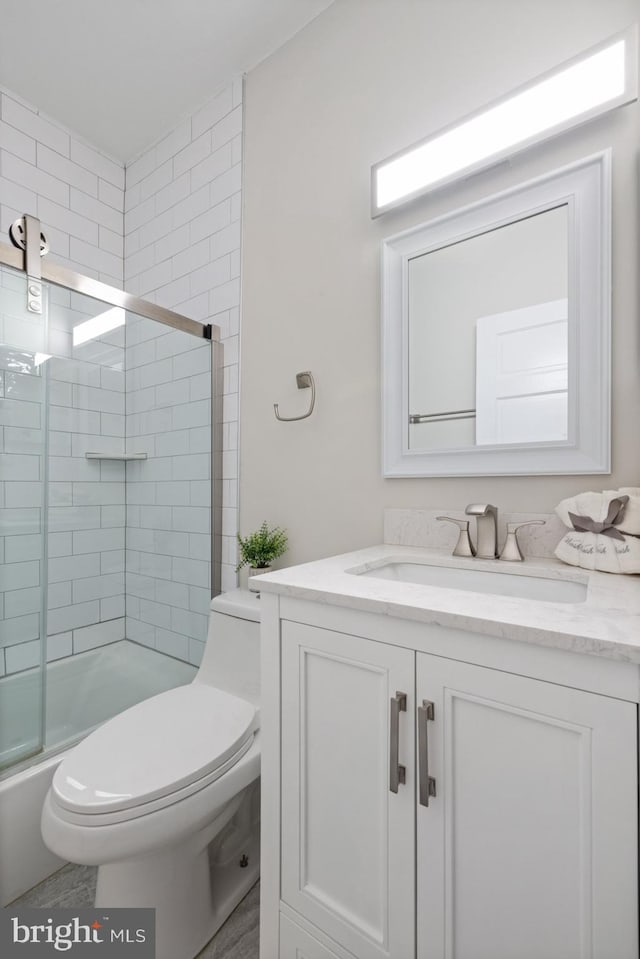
x=348, y=842
x=527, y=850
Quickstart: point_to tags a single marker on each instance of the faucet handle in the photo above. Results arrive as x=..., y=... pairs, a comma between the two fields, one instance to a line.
x=511, y=552
x=464, y=546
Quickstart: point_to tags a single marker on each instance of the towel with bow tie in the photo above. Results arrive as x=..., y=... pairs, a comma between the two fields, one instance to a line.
x=604, y=530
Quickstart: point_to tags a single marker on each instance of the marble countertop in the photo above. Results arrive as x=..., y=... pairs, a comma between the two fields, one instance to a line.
x=606, y=624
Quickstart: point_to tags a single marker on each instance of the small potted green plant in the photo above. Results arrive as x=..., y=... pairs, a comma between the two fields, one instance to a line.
x=260, y=548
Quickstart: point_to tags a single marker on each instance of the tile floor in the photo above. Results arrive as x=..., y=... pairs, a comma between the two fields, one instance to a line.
x=74, y=886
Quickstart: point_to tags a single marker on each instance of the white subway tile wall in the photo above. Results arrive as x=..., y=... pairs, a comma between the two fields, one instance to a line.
x=182, y=250
x=178, y=244
x=78, y=194
x=168, y=549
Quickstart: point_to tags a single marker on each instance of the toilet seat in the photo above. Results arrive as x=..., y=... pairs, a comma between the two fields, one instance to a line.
x=184, y=739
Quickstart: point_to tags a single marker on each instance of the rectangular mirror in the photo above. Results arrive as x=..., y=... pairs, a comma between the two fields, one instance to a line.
x=496, y=333
x=495, y=369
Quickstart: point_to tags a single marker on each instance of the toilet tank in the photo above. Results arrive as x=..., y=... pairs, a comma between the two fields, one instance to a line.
x=231, y=658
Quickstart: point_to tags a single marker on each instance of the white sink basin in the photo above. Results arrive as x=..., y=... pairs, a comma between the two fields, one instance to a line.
x=499, y=582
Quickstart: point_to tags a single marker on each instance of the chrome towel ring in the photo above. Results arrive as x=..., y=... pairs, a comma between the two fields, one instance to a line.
x=304, y=381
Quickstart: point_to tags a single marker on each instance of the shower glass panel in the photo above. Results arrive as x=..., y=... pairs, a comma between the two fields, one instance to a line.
x=105, y=512
x=86, y=509
x=129, y=499
x=23, y=466
x=168, y=421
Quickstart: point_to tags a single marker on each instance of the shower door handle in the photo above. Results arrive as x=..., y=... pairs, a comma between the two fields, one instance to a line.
x=397, y=772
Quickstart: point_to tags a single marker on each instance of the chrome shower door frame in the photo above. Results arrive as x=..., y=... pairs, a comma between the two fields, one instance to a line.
x=31, y=261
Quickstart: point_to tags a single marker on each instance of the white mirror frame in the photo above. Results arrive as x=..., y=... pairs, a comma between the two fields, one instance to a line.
x=585, y=186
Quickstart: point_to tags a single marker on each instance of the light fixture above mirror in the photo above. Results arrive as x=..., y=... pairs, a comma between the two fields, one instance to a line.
x=596, y=81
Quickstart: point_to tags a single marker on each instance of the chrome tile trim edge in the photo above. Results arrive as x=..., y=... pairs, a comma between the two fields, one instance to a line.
x=61, y=276
x=217, y=360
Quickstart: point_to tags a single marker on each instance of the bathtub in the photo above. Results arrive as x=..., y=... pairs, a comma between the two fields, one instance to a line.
x=82, y=692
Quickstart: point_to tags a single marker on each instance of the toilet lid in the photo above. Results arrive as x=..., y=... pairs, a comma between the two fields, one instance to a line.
x=153, y=749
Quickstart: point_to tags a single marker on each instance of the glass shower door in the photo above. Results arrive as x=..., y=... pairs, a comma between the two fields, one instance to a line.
x=23, y=432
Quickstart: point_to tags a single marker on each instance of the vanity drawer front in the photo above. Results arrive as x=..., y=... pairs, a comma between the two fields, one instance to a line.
x=348, y=841
x=529, y=849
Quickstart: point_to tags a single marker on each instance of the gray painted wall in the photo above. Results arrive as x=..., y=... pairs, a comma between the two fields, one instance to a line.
x=362, y=81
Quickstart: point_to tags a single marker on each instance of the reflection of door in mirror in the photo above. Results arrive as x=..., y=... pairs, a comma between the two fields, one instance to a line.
x=456, y=291
x=521, y=375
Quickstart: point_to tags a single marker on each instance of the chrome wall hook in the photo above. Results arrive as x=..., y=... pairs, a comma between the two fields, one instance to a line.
x=304, y=381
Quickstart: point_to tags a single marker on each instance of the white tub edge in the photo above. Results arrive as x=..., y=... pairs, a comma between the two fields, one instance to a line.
x=25, y=860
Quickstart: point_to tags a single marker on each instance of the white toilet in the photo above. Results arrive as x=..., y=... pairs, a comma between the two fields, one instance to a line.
x=164, y=798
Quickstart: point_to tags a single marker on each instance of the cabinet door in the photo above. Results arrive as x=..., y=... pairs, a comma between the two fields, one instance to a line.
x=295, y=943
x=348, y=841
x=529, y=848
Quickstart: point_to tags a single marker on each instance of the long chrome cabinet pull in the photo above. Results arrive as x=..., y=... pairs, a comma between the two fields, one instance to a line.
x=427, y=784
x=397, y=773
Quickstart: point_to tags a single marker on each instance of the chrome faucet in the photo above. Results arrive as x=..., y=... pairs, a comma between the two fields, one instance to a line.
x=487, y=529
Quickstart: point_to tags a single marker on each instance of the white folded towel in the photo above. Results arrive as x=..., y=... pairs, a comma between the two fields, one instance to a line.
x=598, y=523
x=631, y=519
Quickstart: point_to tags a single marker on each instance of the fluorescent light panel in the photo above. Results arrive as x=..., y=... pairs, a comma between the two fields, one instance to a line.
x=590, y=85
x=98, y=325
